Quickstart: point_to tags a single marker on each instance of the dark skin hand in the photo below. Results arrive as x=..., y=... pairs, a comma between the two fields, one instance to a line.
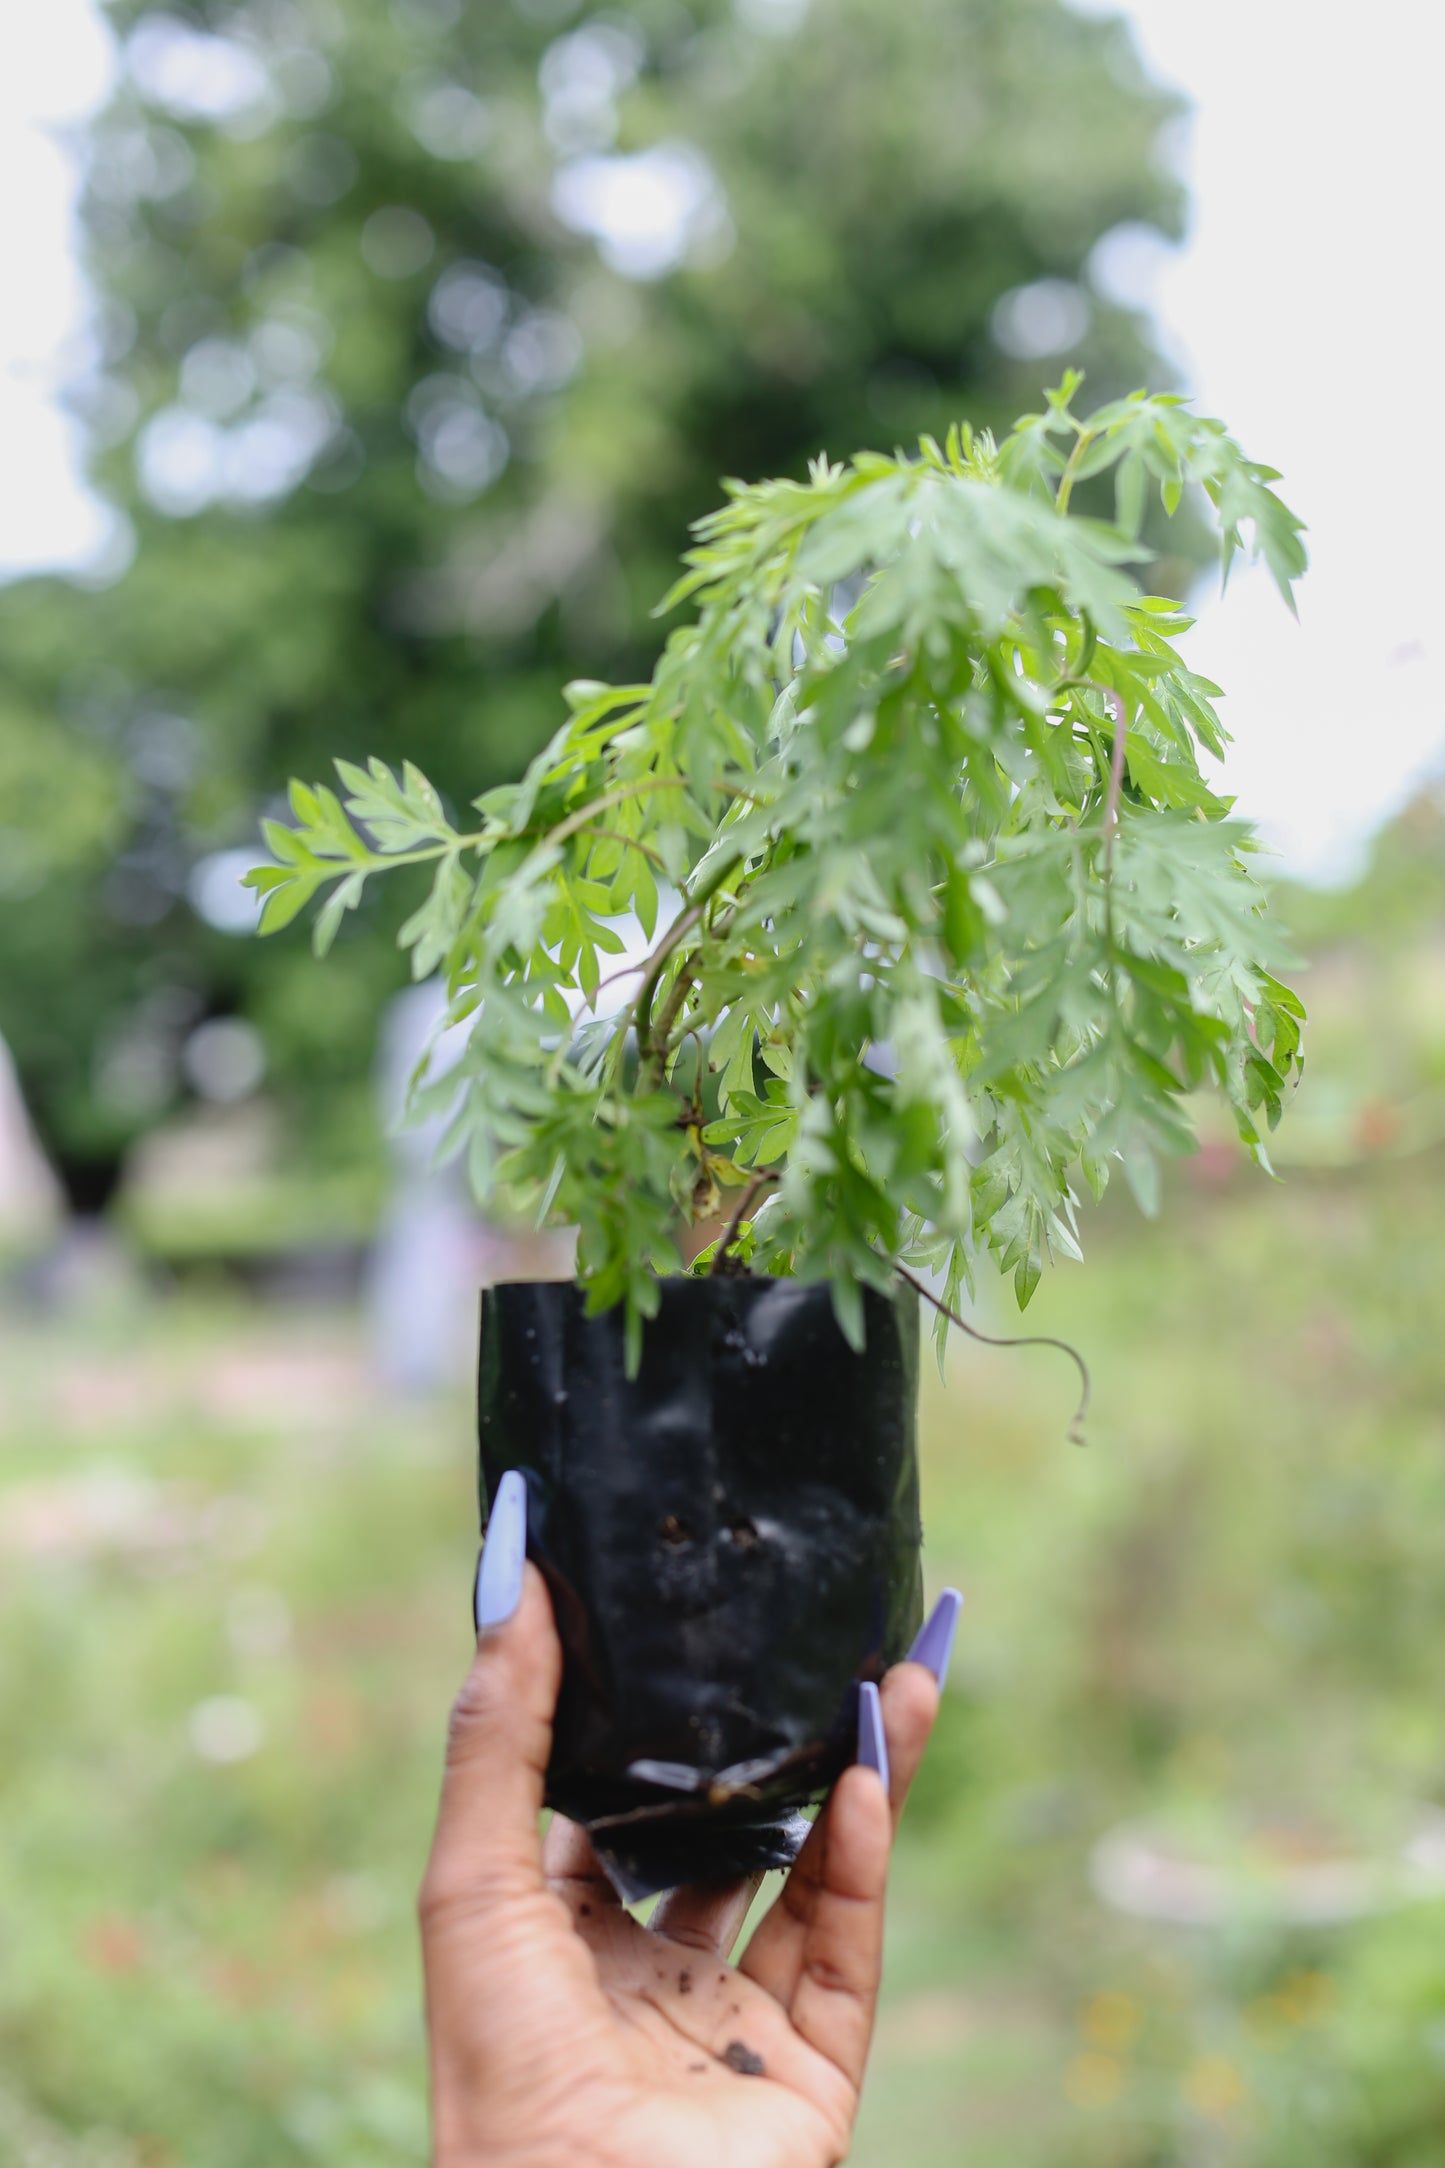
x=564, y=2034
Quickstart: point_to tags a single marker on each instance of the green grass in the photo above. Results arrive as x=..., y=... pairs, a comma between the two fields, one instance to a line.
x=1230, y=1605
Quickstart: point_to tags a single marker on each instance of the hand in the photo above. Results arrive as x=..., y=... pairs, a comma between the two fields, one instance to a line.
x=563, y=2033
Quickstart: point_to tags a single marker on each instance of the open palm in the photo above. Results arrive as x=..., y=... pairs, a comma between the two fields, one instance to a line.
x=564, y=2034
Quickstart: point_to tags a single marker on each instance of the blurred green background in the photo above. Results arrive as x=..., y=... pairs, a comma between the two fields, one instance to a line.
x=421, y=333
x=412, y=363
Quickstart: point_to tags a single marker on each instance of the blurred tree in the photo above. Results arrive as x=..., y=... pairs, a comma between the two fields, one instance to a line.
x=422, y=331
x=1400, y=894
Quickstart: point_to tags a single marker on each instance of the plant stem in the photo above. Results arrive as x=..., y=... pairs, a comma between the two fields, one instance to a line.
x=672, y=1008
x=1116, y=771
x=631, y=843
x=683, y=923
x=586, y=814
x=1032, y=1339
x=1071, y=470
x=642, y=1004
x=383, y=861
x=575, y=824
x=1116, y=775
x=759, y=1182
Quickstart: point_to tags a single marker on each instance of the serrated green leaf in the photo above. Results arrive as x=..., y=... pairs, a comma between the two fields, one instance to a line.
x=344, y=897
x=848, y=1310
x=283, y=904
x=846, y=809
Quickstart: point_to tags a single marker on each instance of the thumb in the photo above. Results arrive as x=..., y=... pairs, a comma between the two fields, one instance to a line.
x=488, y=1843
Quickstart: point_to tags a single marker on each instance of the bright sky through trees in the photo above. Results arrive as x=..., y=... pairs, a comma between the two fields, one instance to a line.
x=55, y=66
x=1305, y=308
x=1301, y=309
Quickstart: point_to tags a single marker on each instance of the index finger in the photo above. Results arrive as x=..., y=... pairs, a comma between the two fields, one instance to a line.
x=834, y=1993
x=779, y=1951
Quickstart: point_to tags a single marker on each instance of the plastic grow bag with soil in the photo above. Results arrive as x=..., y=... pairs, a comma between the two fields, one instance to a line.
x=731, y=1540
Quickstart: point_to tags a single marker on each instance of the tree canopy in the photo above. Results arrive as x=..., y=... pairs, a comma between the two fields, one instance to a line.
x=421, y=334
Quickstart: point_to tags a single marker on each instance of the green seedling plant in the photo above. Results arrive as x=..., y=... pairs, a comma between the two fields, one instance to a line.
x=944, y=921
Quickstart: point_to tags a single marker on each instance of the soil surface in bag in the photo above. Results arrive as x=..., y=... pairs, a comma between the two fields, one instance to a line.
x=731, y=1540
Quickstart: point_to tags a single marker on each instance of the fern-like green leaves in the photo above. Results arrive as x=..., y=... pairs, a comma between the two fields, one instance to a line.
x=942, y=915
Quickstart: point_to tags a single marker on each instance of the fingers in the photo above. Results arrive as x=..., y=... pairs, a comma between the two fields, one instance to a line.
x=934, y=1644
x=710, y=1916
x=906, y=1706
x=575, y=1873
x=707, y=1917
x=487, y=1836
x=908, y=1701
x=910, y=1693
x=835, y=1992
x=775, y=1956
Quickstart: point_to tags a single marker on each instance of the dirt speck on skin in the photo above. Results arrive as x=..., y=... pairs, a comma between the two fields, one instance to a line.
x=739, y=2057
x=684, y=1982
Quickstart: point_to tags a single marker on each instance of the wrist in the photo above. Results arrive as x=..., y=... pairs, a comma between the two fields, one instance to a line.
x=454, y=2145
x=484, y=2155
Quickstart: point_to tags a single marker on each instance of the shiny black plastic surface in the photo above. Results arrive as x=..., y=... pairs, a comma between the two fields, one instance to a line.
x=731, y=1540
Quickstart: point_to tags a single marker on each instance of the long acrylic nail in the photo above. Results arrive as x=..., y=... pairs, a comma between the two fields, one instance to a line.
x=872, y=1745
x=934, y=1645
x=504, y=1553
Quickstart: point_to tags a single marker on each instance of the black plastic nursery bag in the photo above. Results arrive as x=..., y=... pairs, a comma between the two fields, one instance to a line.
x=731, y=1540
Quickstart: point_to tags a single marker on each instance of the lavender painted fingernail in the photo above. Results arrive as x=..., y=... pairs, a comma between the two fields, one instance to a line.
x=504, y=1553
x=872, y=1745
x=934, y=1645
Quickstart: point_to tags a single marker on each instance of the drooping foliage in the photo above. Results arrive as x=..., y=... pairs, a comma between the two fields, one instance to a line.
x=422, y=333
x=952, y=916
